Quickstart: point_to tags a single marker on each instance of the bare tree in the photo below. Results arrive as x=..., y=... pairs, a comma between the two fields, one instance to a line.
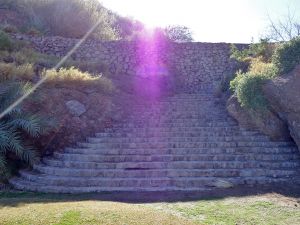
x=284, y=29
x=179, y=33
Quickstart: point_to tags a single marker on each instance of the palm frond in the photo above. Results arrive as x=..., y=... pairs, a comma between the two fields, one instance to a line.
x=11, y=91
x=3, y=161
x=30, y=155
x=6, y=135
x=28, y=123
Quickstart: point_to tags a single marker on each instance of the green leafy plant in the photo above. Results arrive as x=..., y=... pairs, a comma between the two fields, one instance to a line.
x=248, y=86
x=287, y=55
x=5, y=42
x=16, y=127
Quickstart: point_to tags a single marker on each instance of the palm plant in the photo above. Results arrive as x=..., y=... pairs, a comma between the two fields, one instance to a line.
x=17, y=127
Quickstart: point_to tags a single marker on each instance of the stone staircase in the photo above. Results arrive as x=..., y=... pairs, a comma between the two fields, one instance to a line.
x=186, y=142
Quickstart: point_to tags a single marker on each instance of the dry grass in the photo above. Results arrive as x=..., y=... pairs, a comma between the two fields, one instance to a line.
x=10, y=71
x=86, y=212
x=74, y=77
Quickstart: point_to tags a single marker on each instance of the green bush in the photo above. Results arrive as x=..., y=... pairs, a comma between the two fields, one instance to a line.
x=15, y=128
x=263, y=50
x=5, y=42
x=248, y=86
x=287, y=56
x=249, y=92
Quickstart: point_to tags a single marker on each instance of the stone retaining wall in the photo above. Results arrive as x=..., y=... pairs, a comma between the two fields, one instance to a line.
x=193, y=64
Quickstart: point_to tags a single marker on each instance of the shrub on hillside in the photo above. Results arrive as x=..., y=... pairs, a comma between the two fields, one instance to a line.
x=287, y=55
x=71, y=18
x=248, y=86
x=77, y=78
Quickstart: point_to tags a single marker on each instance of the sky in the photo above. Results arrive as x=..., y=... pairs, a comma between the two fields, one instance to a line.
x=238, y=21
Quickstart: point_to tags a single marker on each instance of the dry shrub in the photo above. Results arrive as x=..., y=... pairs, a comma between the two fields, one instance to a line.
x=10, y=71
x=74, y=77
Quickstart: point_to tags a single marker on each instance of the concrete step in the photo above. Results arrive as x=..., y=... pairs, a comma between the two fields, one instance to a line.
x=147, y=134
x=177, y=139
x=171, y=173
x=176, y=125
x=22, y=184
x=173, y=129
x=174, y=165
x=158, y=145
x=169, y=158
x=183, y=151
x=194, y=182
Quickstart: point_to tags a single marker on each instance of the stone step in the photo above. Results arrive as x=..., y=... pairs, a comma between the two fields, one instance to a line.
x=144, y=124
x=176, y=139
x=177, y=134
x=180, y=108
x=183, y=151
x=142, y=182
x=25, y=185
x=175, y=129
x=169, y=158
x=174, y=165
x=179, y=117
x=171, y=173
x=22, y=184
x=159, y=145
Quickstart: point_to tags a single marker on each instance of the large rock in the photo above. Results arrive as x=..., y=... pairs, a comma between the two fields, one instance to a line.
x=75, y=107
x=265, y=121
x=283, y=93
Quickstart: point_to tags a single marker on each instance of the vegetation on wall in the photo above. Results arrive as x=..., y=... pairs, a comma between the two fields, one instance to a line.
x=248, y=85
x=287, y=55
x=266, y=61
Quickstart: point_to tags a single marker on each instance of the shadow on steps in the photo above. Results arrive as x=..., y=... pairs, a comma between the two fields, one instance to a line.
x=14, y=198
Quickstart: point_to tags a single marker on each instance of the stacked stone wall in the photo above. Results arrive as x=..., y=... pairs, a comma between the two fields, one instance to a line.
x=193, y=64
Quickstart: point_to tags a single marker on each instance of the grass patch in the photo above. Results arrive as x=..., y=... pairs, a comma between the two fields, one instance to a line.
x=69, y=218
x=33, y=209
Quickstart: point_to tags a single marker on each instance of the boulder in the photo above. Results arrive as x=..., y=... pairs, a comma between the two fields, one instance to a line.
x=265, y=121
x=75, y=107
x=283, y=94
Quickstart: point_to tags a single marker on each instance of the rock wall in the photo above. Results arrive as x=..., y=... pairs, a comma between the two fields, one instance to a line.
x=193, y=64
x=283, y=94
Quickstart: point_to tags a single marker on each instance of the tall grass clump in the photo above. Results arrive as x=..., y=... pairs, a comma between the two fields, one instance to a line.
x=74, y=77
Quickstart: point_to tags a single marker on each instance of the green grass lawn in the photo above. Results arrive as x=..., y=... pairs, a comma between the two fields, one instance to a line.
x=31, y=209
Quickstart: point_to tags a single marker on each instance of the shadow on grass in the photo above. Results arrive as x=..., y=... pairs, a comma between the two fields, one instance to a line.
x=13, y=198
